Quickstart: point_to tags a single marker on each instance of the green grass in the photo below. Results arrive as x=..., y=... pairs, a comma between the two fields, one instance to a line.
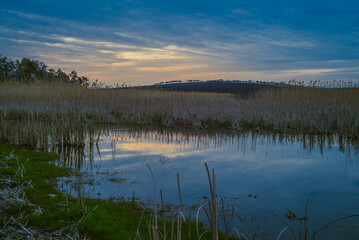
x=108, y=220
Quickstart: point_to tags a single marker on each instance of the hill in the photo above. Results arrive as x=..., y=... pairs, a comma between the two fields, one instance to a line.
x=241, y=88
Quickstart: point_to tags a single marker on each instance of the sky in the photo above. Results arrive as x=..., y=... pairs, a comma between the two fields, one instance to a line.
x=140, y=42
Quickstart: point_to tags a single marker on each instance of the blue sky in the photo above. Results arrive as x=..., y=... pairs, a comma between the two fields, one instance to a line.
x=142, y=42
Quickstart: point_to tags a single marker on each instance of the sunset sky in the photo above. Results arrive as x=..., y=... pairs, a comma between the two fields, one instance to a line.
x=141, y=42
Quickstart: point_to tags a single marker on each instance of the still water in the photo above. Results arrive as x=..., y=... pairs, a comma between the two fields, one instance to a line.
x=263, y=176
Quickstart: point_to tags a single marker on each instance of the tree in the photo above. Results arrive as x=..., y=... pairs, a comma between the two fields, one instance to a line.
x=29, y=71
x=7, y=69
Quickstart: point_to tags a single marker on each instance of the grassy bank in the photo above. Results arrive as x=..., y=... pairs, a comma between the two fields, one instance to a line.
x=33, y=208
x=69, y=111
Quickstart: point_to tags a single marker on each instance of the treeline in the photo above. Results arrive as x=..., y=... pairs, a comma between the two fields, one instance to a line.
x=32, y=71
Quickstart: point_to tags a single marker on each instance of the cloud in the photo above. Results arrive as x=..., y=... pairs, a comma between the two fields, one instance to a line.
x=164, y=43
x=295, y=44
x=153, y=54
x=311, y=71
x=189, y=50
x=96, y=44
x=123, y=64
x=29, y=15
x=169, y=68
x=240, y=11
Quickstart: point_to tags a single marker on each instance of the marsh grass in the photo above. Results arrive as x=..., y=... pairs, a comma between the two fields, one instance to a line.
x=65, y=115
x=176, y=226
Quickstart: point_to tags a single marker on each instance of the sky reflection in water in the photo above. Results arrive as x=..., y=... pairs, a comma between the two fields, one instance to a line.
x=281, y=174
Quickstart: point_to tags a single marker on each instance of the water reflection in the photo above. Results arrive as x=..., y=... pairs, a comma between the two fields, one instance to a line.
x=264, y=175
x=165, y=140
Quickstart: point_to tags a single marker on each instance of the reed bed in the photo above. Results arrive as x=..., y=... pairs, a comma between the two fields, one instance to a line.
x=70, y=112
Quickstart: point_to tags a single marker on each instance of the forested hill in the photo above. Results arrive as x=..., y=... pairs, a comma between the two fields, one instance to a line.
x=32, y=71
x=242, y=88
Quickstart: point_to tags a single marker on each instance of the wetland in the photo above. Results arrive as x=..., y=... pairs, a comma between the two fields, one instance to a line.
x=273, y=154
x=264, y=176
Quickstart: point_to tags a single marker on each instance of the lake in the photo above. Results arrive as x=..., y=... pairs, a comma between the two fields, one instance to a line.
x=263, y=176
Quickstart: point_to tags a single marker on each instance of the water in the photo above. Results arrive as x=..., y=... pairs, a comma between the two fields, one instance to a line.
x=264, y=176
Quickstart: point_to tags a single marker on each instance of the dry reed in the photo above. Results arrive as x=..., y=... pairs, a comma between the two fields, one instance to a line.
x=69, y=112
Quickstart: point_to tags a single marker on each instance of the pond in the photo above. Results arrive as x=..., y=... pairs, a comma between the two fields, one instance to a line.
x=263, y=176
